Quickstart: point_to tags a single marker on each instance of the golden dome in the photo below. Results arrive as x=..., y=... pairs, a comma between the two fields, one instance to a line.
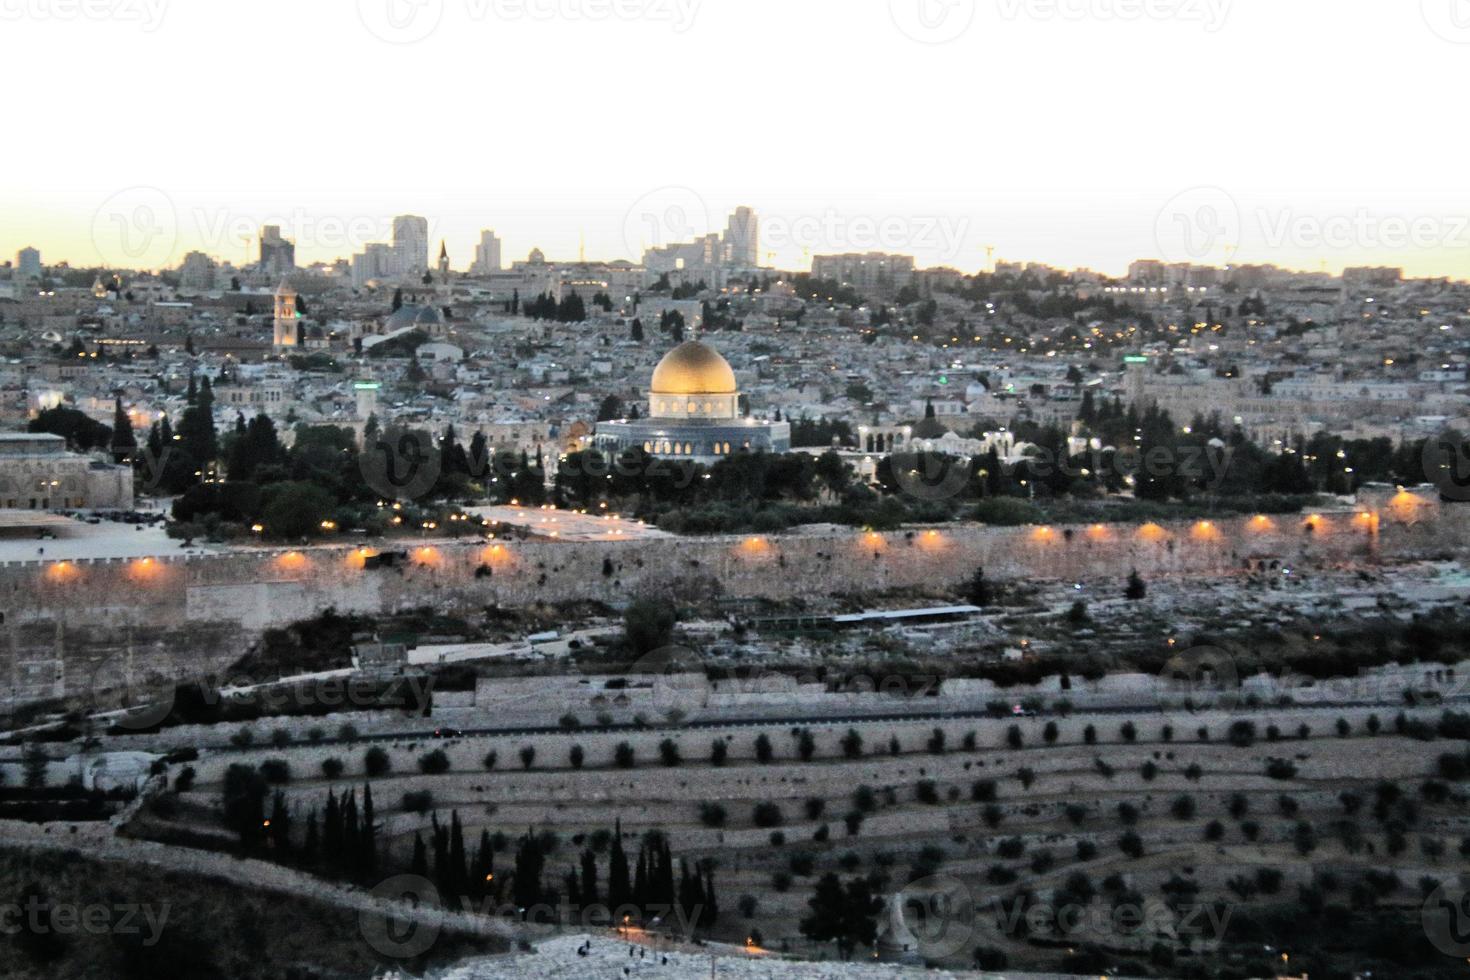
x=693, y=369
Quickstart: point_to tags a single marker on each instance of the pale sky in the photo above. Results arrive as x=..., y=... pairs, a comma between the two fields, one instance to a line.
x=1310, y=133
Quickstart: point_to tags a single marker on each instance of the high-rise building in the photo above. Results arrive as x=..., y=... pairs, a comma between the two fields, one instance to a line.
x=411, y=244
x=196, y=271
x=866, y=270
x=28, y=263
x=742, y=239
x=487, y=255
x=377, y=260
x=277, y=255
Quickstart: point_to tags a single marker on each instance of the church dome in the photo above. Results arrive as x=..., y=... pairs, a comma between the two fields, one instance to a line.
x=693, y=369
x=414, y=316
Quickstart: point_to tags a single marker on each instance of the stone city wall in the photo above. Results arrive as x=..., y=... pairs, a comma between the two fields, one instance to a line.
x=185, y=615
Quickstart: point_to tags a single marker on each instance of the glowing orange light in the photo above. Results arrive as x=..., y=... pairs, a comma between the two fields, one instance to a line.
x=62, y=571
x=1206, y=531
x=1152, y=532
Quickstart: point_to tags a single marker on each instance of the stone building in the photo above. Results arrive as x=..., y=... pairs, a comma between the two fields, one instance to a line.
x=38, y=473
x=694, y=413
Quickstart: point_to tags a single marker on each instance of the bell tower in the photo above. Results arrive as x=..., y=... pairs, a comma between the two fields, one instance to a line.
x=286, y=327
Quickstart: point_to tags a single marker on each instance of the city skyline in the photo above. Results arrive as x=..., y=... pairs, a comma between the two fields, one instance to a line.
x=1227, y=230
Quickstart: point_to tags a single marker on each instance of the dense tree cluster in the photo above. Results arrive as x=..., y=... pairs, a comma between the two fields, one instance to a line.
x=80, y=430
x=570, y=309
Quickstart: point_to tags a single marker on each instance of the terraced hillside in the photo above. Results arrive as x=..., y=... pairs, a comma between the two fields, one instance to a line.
x=1085, y=843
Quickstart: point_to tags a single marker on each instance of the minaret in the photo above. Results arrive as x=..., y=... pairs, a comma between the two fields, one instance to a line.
x=285, y=323
x=444, y=291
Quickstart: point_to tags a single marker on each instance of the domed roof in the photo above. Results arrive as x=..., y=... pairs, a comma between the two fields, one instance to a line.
x=414, y=316
x=693, y=369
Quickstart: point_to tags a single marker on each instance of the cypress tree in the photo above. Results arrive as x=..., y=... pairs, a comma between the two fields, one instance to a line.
x=640, y=880
x=442, y=877
x=124, y=443
x=711, y=903
x=311, y=849
x=420, y=864
x=482, y=881
x=663, y=881
x=368, y=858
x=351, y=832
x=617, y=871
x=589, y=877
x=332, y=832
x=280, y=828
x=456, y=855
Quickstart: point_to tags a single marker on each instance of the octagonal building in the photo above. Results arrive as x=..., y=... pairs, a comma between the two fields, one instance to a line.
x=693, y=413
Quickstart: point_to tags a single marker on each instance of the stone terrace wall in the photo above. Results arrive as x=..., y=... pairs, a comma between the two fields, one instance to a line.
x=181, y=616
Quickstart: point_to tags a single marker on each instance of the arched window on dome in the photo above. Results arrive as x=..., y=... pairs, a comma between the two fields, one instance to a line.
x=689, y=409
x=688, y=449
x=648, y=447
